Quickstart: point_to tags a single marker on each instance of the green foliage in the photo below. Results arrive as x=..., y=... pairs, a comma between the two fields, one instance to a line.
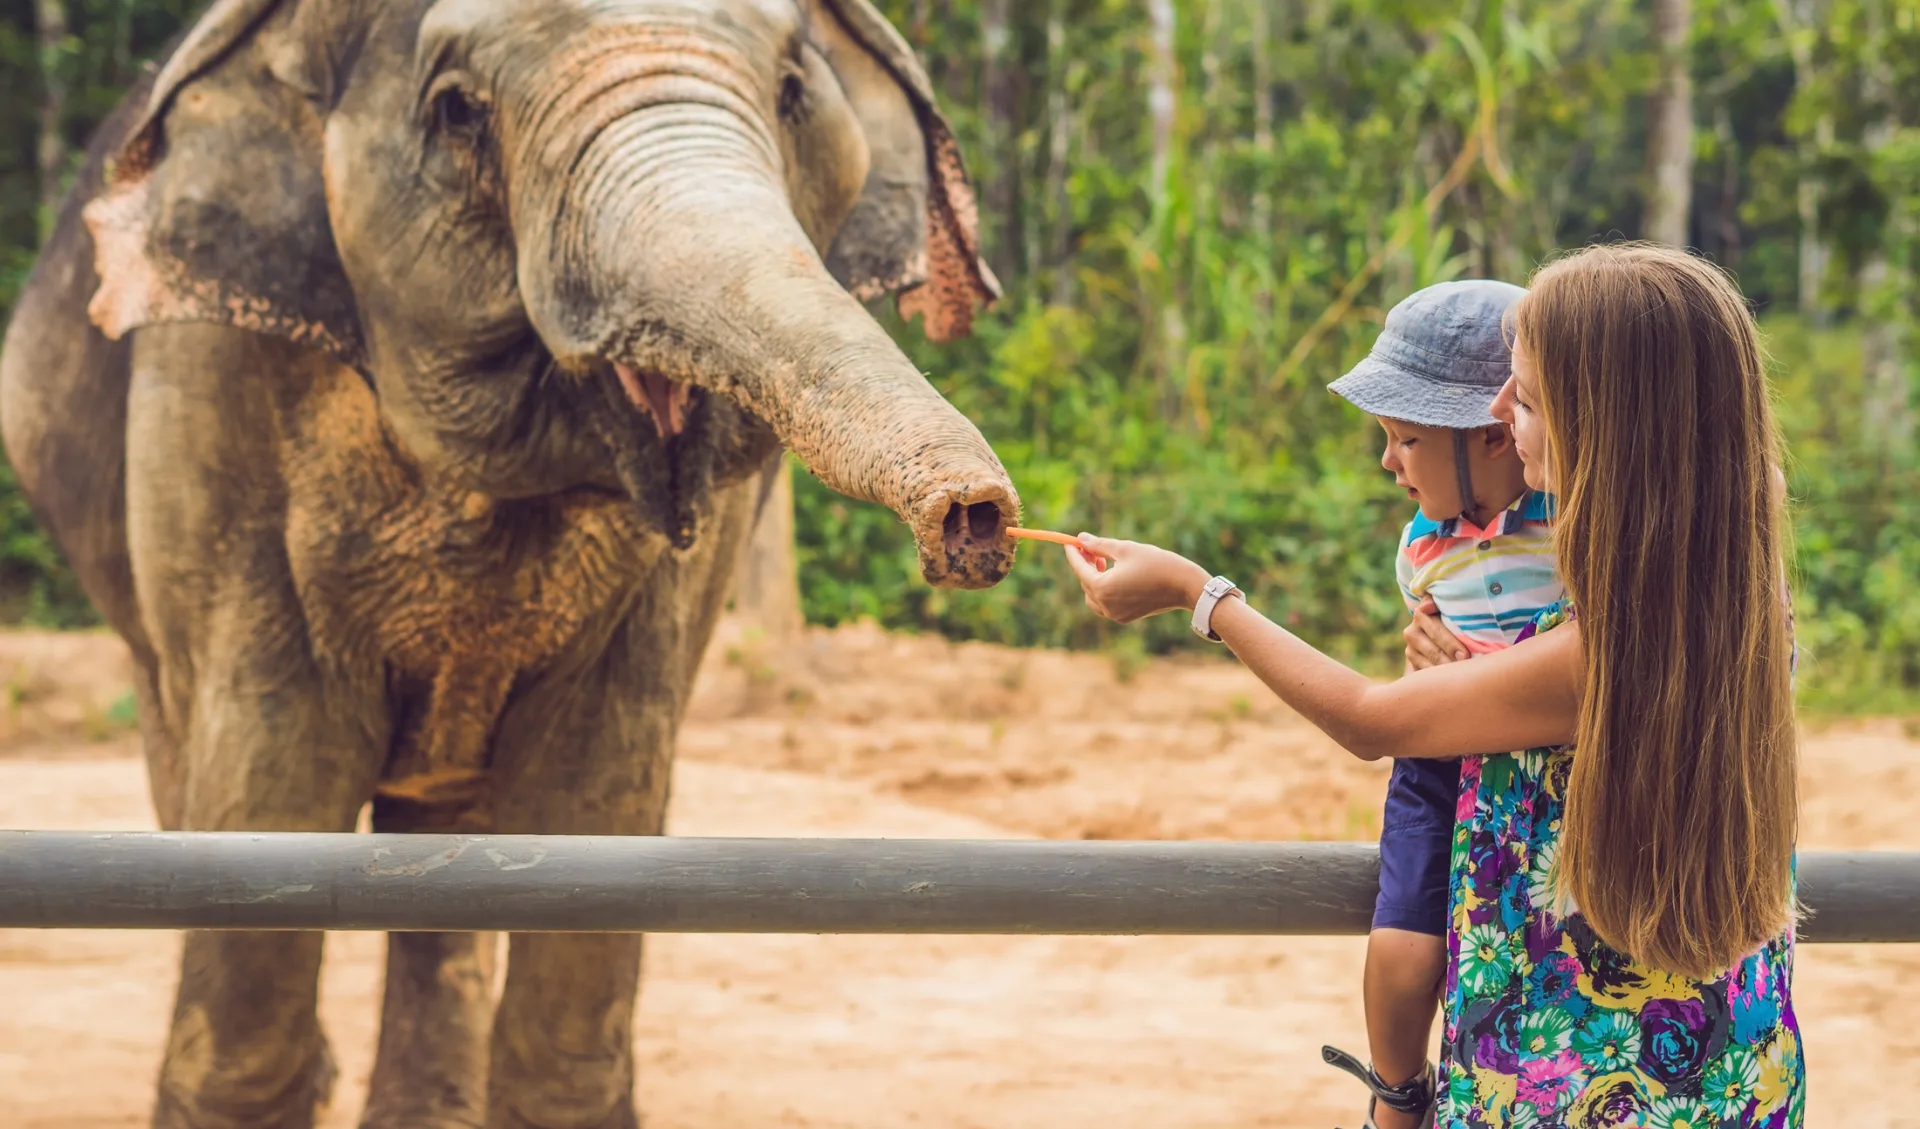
x=1856, y=528
x=1157, y=367
x=36, y=587
x=123, y=712
x=1232, y=457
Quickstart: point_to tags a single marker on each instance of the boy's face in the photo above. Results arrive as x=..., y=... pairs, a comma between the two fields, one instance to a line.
x=1420, y=459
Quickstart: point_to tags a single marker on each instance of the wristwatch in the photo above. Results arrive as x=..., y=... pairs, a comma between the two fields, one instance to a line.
x=1217, y=589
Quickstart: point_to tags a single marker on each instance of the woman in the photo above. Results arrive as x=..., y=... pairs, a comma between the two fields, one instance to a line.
x=1622, y=897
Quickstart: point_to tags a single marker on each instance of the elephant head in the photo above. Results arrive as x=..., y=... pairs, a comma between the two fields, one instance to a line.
x=610, y=245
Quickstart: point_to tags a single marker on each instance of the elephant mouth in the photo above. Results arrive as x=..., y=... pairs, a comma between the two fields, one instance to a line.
x=669, y=443
x=663, y=399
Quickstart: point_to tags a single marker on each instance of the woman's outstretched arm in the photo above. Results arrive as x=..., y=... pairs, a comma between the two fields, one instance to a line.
x=1520, y=698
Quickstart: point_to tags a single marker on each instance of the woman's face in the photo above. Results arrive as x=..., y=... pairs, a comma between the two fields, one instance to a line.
x=1518, y=405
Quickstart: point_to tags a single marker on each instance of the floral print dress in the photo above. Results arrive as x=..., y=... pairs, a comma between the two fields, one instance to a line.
x=1547, y=1027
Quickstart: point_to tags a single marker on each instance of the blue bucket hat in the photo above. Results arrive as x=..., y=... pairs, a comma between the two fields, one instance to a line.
x=1441, y=359
x=1440, y=362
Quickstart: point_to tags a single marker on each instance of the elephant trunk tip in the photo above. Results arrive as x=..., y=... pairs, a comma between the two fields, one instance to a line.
x=963, y=536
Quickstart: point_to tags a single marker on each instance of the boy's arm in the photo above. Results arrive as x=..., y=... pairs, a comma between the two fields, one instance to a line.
x=1429, y=643
x=1403, y=577
x=1403, y=569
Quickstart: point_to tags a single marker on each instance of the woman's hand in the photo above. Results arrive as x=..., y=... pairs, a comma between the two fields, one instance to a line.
x=1137, y=580
x=1429, y=643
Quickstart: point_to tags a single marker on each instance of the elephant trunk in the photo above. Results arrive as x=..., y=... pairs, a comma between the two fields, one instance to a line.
x=673, y=254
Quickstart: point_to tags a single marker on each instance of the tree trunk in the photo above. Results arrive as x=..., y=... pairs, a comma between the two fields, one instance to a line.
x=1210, y=211
x=938, y=21
x=917, y=19
x=1727, y=214
x=766, y=583
x=1888, y=409
x=1883, y=284
x=1261, y=219
x=1261, y=30
x=1670, y=127
x=1059, y=124
x=1796, y=17
x=1813, y=248
x=1161, y=104
x=999, y=94
x=51, y=18
x=1160, y=96
x=123, y=40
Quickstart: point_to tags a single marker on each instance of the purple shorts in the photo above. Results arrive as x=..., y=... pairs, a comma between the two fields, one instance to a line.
x=1416, y=846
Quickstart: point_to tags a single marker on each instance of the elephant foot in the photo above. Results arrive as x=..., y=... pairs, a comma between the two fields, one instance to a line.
x=431, y=1068
x=423, y=1116
x=622, y=1116
x=562, y=1052
x=431, y=1105
x=301, y=1108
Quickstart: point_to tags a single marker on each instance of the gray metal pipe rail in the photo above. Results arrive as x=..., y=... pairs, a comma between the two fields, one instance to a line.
x=557, y=883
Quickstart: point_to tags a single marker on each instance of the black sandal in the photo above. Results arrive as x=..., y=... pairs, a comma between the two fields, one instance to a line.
x=1414, y=1096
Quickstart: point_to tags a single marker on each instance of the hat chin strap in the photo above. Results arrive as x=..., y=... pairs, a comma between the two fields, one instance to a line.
x=1464, y=470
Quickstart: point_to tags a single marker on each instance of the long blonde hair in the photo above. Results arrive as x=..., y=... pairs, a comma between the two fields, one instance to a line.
x=1681, y=808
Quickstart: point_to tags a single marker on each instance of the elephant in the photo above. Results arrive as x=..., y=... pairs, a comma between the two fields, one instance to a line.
x=397, y=381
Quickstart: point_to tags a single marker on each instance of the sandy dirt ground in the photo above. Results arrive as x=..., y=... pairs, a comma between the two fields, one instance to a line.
x=859, y=733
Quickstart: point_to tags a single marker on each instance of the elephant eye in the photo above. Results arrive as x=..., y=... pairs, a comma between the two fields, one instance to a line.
x=456, y=152
x=793, y=97
x=453, y=110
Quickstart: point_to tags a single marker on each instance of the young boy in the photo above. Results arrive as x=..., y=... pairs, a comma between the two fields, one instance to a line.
x=1477, y=550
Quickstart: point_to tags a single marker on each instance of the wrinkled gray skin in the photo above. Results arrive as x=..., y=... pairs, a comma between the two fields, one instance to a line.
x=397, y=382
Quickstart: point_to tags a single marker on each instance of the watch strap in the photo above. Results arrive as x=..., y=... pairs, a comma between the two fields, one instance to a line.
x=1216, y=590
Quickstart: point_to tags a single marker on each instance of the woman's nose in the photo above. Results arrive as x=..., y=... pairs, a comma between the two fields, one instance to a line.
x=1502, y=408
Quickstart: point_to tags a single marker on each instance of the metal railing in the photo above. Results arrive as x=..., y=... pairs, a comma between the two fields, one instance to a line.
x=562, y=883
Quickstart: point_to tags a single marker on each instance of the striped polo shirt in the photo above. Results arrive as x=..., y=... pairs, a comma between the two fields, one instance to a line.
x=1488, y=583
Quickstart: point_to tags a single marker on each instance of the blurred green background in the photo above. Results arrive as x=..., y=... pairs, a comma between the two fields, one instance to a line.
x=1201, y=210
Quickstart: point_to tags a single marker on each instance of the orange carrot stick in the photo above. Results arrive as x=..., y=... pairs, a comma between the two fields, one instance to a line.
x=1047, y=535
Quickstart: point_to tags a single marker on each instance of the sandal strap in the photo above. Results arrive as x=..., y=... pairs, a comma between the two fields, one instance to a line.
x=1415, y=1095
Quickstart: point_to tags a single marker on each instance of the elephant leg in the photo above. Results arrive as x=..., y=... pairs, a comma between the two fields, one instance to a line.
x=562, y=1054
x=588, y=750
x=265, y=752
x=246, y=1050
x=431, y=1069
x=257, y=727
x=563, y=1040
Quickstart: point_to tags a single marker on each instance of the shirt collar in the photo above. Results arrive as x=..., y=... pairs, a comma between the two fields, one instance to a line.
x=1531, y=506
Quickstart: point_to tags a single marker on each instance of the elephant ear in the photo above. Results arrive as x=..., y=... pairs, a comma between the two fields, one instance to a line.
x=916, y=228
x=214, y=207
